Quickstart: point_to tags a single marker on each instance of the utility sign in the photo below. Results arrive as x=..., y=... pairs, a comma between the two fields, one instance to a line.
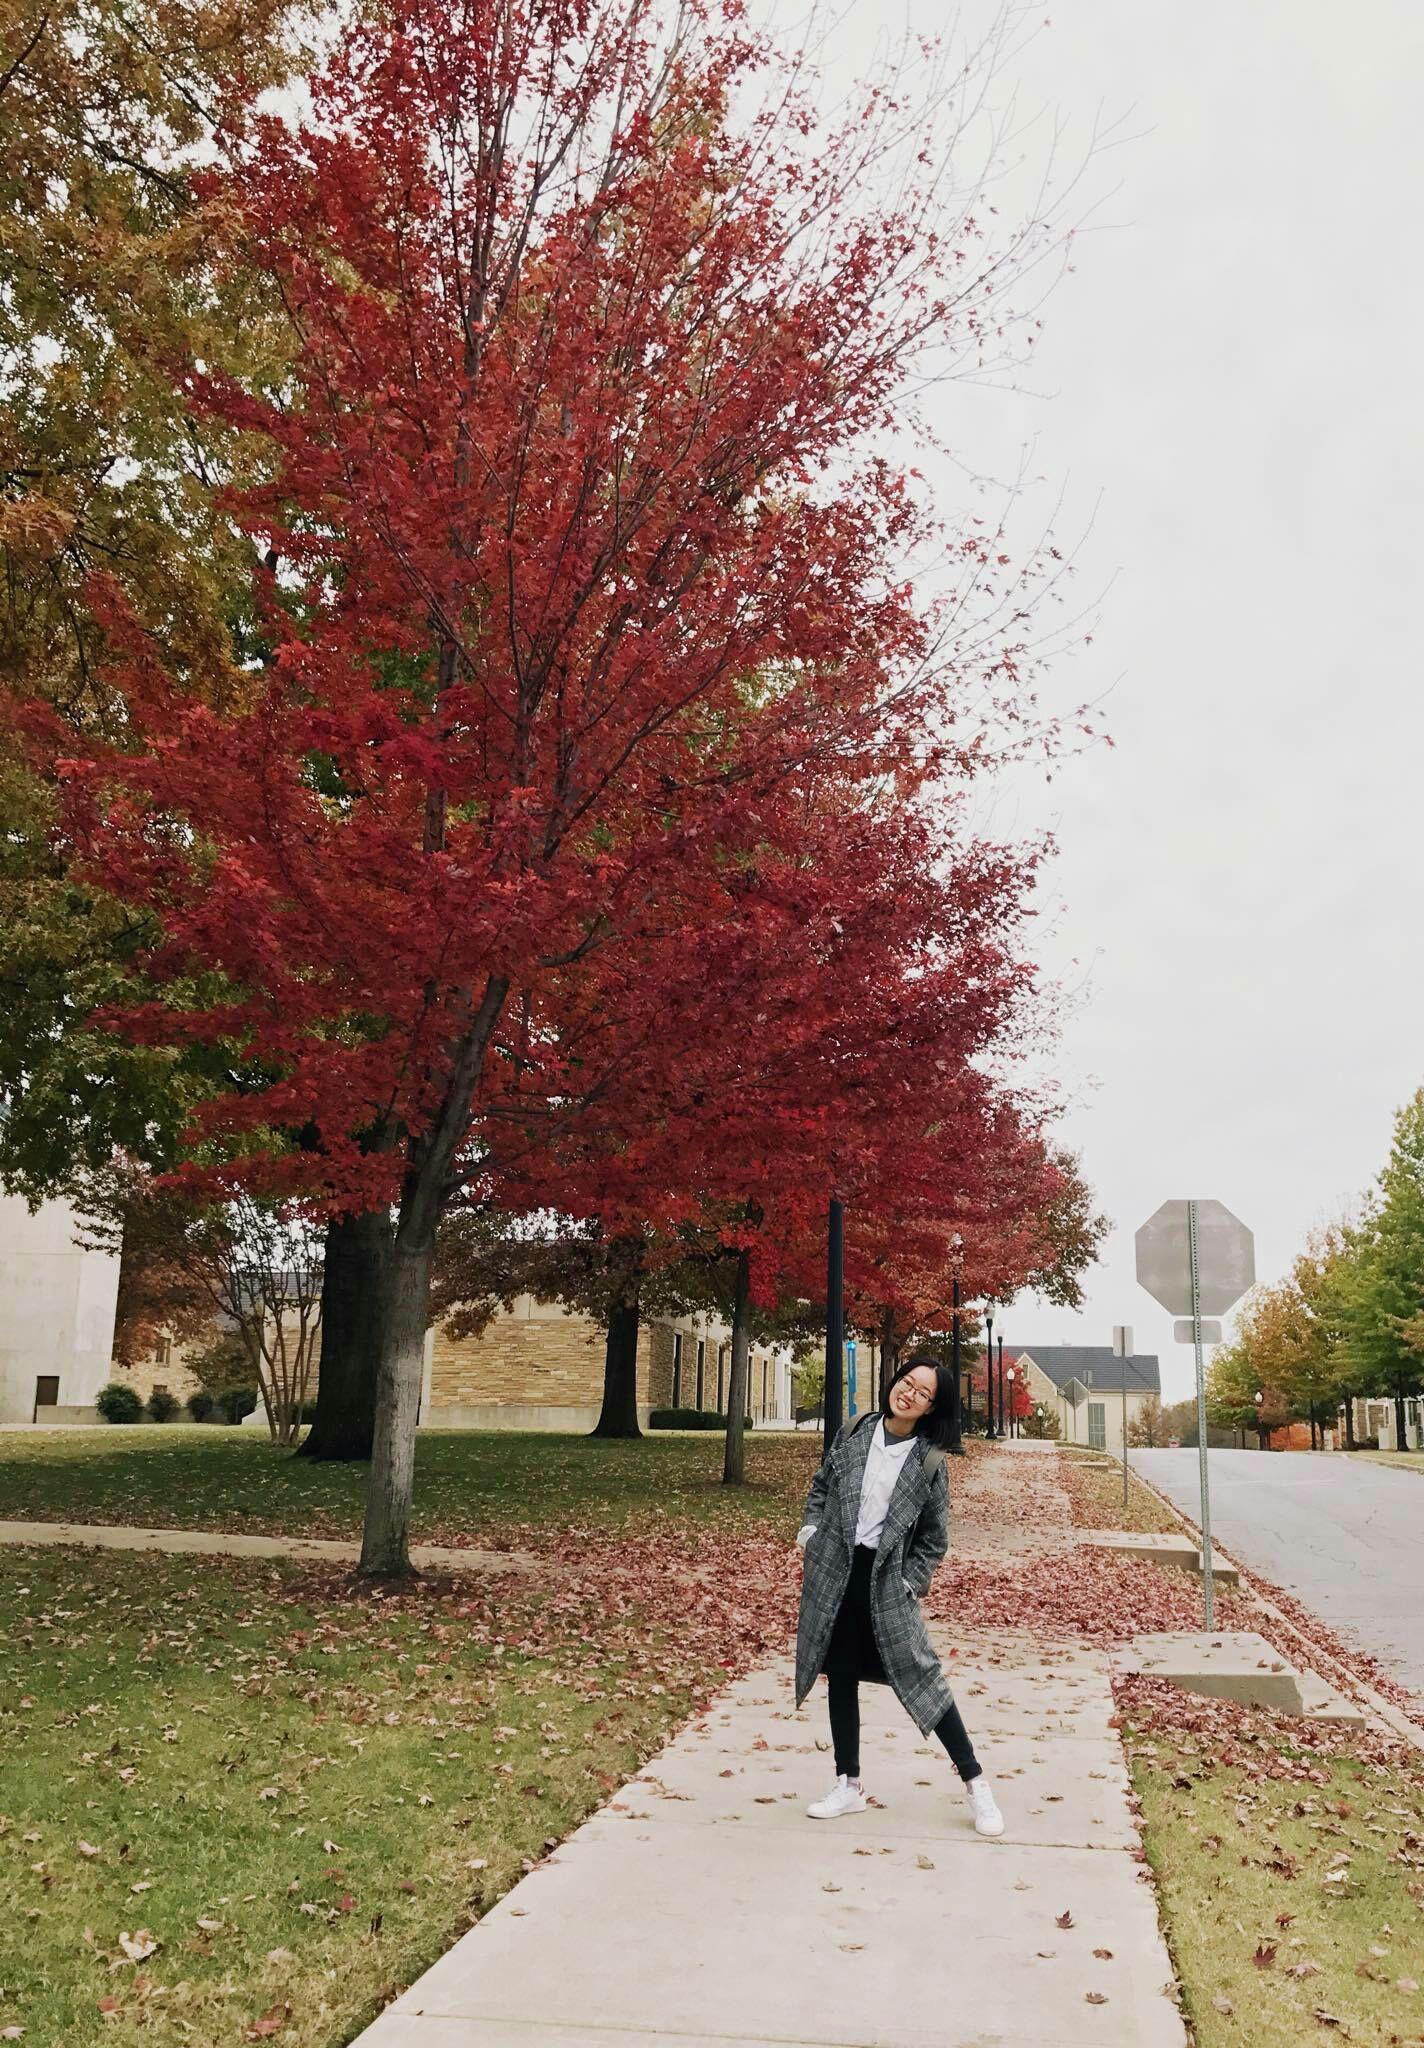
x=1226, y=1258
x=1197, y=1259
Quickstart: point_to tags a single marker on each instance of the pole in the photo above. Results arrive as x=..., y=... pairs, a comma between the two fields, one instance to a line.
x=835, y=1318
x=954, y=1341
x=1124, y=1443
x=1001, y=1391
x=1207, y=1587
x=989, y=1370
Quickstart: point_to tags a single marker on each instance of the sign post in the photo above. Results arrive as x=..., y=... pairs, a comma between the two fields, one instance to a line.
x=1197, y=1260
x=1122, y=1348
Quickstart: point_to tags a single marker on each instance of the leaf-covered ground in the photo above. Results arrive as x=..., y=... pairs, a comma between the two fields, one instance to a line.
x=181, y=1738
x=1290, y=1868
x=1097, y=1500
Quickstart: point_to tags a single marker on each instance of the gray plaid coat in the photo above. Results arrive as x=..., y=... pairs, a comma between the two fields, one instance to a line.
x=914, y=1539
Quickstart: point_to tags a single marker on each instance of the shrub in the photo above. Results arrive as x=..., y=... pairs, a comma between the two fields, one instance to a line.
x=690, y=1418
x=201, y=1405
x=163, y=1405
x=235, y=1402
x=119, y=1403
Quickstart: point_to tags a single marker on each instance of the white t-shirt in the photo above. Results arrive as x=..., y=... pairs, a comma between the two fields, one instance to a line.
x=882, y=1469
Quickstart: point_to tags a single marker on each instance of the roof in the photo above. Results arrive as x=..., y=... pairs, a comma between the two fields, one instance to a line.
x=1064, y=1362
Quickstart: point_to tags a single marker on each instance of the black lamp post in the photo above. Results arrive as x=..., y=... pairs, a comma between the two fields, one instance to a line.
x=1004, y=1416
x=989, y=1371
x=833, y=1405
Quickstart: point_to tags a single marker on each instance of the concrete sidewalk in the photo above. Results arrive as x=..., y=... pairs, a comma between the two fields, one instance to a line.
x=428, y=1557
x=700, y=1907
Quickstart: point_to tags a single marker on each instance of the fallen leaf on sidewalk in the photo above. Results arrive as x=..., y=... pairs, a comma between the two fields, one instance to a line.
x=1064, y=1920
x=924, y=1863
x=1104, y=1955
x=1095, y=1998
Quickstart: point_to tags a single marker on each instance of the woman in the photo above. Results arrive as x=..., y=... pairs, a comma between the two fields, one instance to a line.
x=876, y=1525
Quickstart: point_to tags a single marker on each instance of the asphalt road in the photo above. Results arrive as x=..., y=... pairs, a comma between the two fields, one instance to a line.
x=1346, y=1537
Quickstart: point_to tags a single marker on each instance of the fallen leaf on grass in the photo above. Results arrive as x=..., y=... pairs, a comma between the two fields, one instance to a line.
x=88, y=1849
x=1406, y=1984
x=1265, y=1955
x=271, y=2022
x=12, y=2033
x=1223, y=2004
x=139, y=1945
x=1327, y=2019
x=1304, y=1968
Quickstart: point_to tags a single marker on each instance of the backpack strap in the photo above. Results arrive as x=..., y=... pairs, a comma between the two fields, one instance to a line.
x=934, y=1458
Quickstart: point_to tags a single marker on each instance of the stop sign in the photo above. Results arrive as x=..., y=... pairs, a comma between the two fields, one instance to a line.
x=1226, y=1258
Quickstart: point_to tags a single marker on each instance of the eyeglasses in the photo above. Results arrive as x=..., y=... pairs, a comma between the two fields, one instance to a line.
x=917, y=1393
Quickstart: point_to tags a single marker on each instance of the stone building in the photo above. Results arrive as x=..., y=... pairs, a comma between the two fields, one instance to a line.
x=57, y=1304
x=540, y=1366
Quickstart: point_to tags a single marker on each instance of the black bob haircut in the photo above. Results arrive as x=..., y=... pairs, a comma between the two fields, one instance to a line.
x=940, y=1421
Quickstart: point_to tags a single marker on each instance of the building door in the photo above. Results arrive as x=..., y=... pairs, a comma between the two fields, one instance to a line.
x=46, y=1393
x=1097, y=1425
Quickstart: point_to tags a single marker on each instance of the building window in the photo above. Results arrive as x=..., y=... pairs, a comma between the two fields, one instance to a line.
x=677, y=1368
x=765, y=1373
x=699, y=1376
x=721, y=1362
x=701, y=1362
x=1097, y=1426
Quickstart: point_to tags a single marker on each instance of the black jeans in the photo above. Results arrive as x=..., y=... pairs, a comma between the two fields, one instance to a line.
x=845, y=1731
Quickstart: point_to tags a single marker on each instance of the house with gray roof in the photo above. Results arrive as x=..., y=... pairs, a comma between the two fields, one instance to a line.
x=1088, y=1389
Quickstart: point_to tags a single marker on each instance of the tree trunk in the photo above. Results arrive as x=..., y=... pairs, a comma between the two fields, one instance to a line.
x=353, y=1287
x=1350, y=1444
x=734, y=1462
x=620, y=1364
x=1401, y=1434
x=1312, y=1426
x=385, y=1539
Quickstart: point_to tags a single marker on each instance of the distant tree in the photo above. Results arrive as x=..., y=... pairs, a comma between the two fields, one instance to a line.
x=1378, y=1284
x=1035, y=1421
x=1147, y=1430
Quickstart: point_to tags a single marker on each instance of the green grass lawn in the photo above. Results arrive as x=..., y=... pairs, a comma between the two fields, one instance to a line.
x=1097, y=1500
x=471, y=1486
x=1291, y=1878
x=233, y=1793
x=1402, y=1461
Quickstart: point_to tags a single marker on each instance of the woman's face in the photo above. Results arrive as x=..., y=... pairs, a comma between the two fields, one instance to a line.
x=913, y=1396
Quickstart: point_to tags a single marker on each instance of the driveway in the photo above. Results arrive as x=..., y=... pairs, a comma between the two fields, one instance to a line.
x=1344, y=1536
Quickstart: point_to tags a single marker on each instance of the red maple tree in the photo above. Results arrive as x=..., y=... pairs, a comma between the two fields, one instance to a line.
x=574, y=558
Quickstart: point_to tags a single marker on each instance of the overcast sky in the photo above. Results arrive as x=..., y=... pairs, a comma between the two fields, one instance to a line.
x=1231, y=394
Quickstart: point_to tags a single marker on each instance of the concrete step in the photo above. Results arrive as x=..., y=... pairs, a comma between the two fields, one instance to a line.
x=1237, y=1665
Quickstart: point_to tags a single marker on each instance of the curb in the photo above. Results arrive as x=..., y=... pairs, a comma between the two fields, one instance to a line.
x=1384, y=1710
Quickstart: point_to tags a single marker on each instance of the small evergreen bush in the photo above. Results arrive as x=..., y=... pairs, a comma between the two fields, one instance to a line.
x=235, y=1402
x=201, y=1405
x=690, y=1418
x=119, y=1403
x=163, y=1405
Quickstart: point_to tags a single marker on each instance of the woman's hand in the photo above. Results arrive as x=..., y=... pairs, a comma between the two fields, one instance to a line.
x=804, y=1534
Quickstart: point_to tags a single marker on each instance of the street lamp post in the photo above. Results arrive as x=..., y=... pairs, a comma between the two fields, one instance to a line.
x=1011, y=1376
x=835, y=1319
x=989, y=1372
x=1004, y=1416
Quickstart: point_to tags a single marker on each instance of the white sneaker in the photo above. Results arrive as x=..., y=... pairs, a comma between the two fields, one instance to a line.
x=847, y=1796
x=987, y=1818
